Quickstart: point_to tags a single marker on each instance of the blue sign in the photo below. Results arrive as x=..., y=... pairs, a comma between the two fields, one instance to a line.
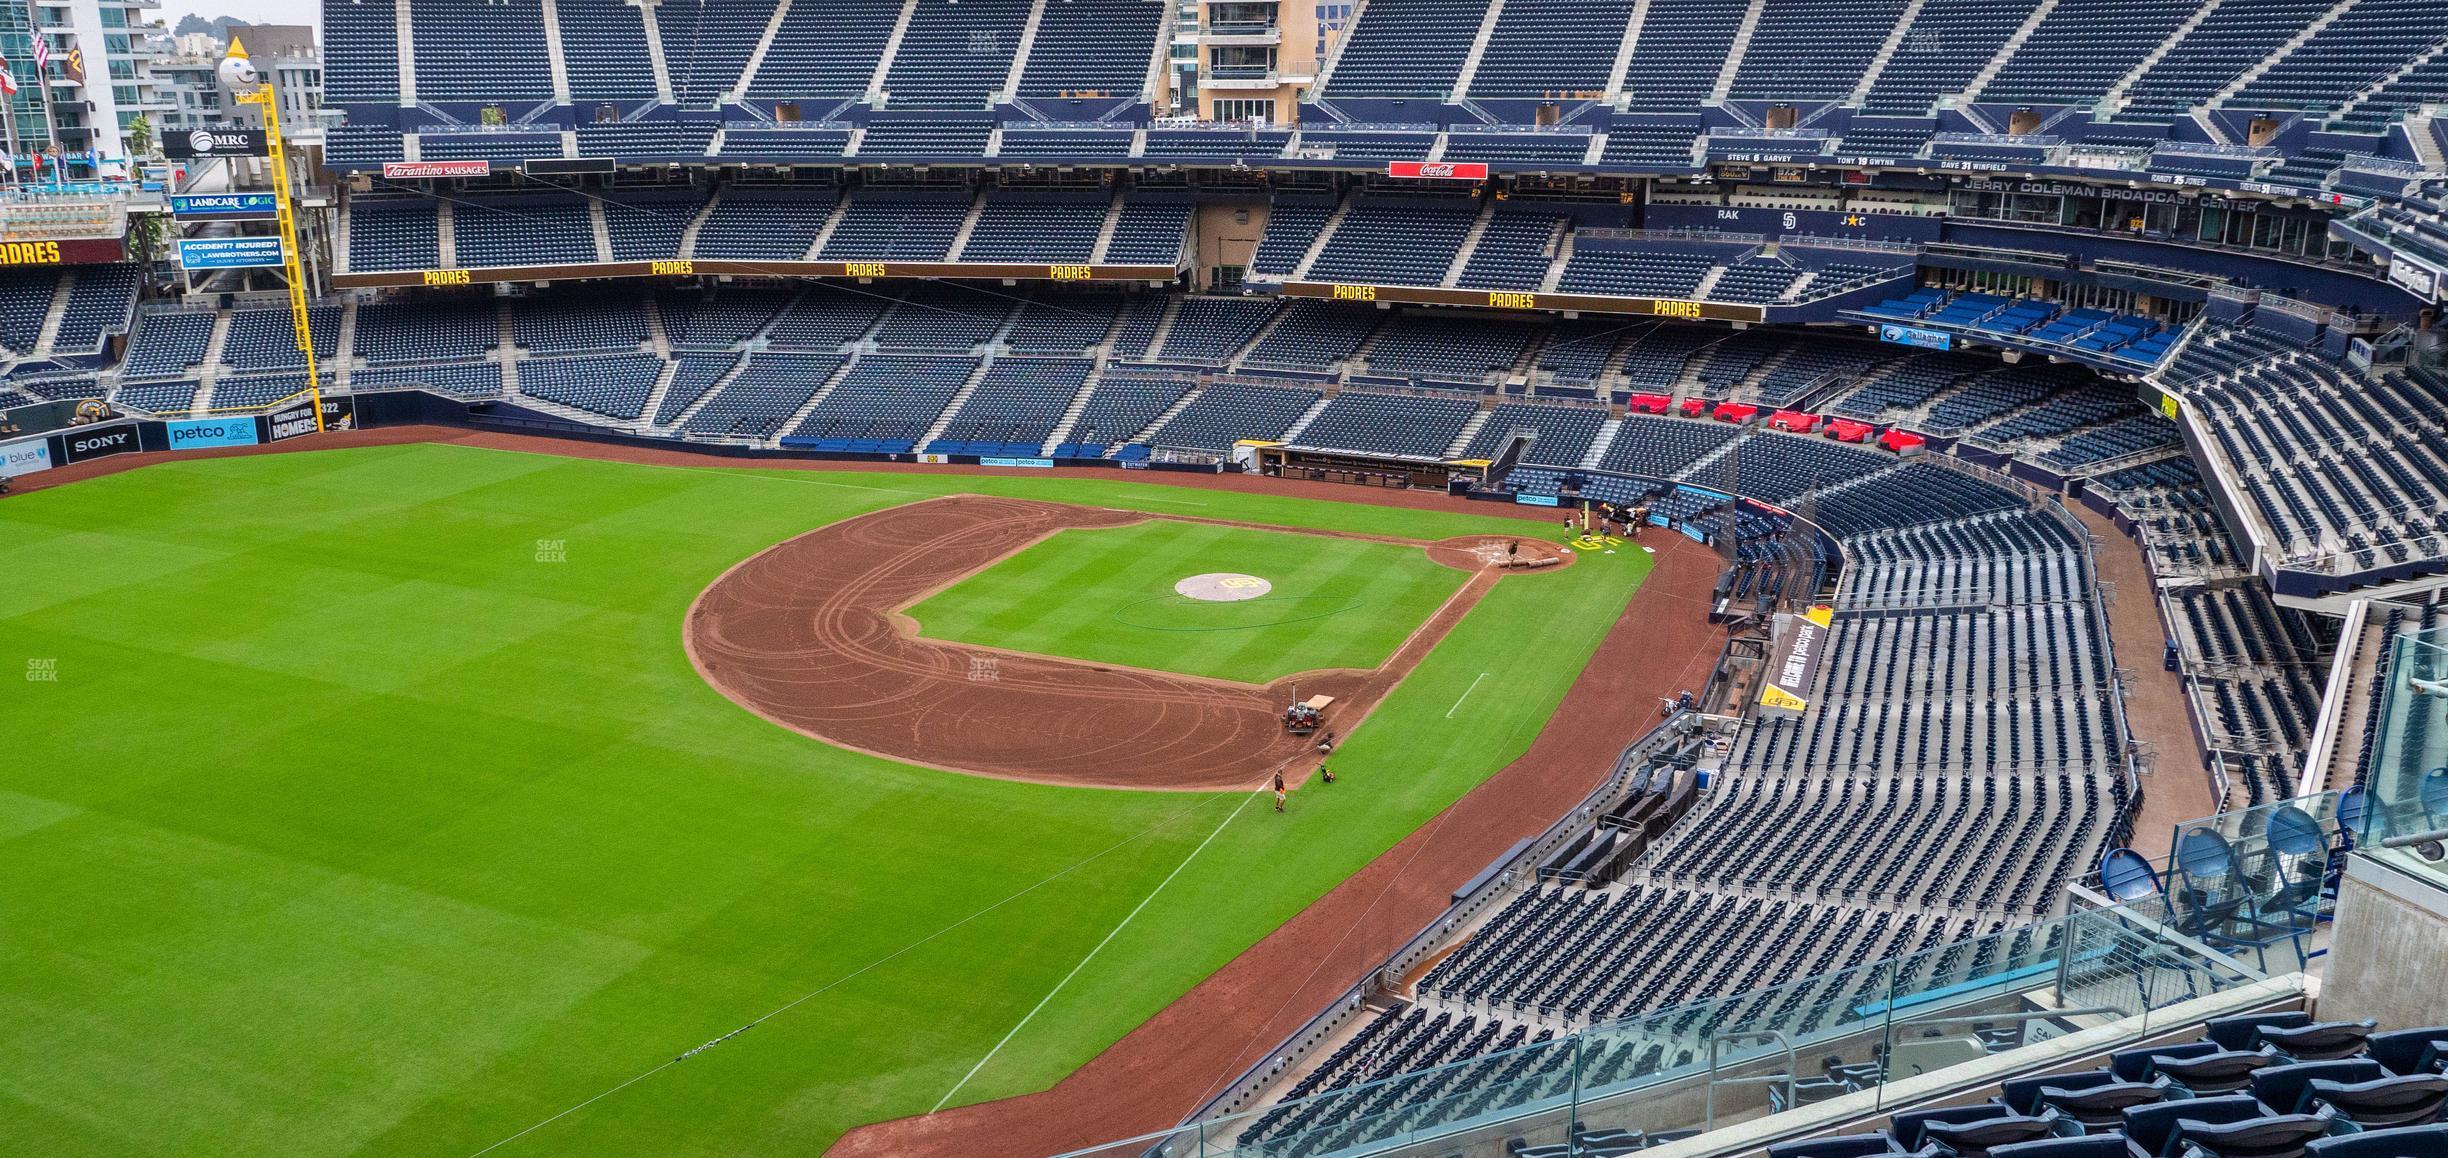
x=1536, y=500
x=1035, y=463
x=1916, y=336
x=203, y=433
x=229, y=252
x=24, y=456
x=225, y=206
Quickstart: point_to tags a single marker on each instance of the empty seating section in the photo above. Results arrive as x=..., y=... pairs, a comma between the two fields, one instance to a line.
x=692, y=377
x=1812, y=49
x=559, y=325
x=1949, y=43
x=615, y=386
x=1226, y=413
x=749, y=142
x=924, y=137
x=1514, y=250
x=1661, y=145
x=1313, y=336
x=1148, y=232
x=487, y=145
x=2082, y=47
x=1577, y=351
x=1015, y=408
x=1405, y=48
x=1682, y=48
x=267, y=339
x=877, y=226
x=1093, y=47
x=361, y=52
x=1066, y=325
x=647, y=224
x=2344, y=476
x=1119, y=407
x=1428, y=346
x=647, y=140
x=762, y=396
x=389, y=233
x=1755, y=280
x=941, y=317
x=157, y=397
x=1222, y=145
x=1400, y=243
x=545, y=230
x=396, y=332
x=954, y=55
x=706, y=44
x=1663, y=447
x=1563, y=434
x=1552, y=48
x=2362, y=47
x=1290, y=229
x=101, y=299
x=1212, y=329
x=1021, y=144
x=825, y=52
x=1635, y=272
x=603, y=43
x=1562, y=150
x=167, y=345
x=885, y=404
x=722, y=318
x=475, y=50
x=1887, y=136
x=25, y=299
x=240, y=392
x=2235, y=36
x=1393, y=424
x=481, y=380
x=1034, y=229
x=2274, y=1084
x=774, y=223
x=825, y=318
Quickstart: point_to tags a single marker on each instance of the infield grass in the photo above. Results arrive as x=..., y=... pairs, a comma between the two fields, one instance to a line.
x=1106, y=595
x=366, y=803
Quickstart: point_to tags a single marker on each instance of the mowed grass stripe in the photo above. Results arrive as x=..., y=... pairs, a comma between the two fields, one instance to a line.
x=1107, y=595
x=289, y=865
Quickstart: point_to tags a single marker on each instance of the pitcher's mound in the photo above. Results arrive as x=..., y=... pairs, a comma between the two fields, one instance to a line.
x=1222, y=587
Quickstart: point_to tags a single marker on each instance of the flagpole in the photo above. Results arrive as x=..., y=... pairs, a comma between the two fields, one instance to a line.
x=42, y=80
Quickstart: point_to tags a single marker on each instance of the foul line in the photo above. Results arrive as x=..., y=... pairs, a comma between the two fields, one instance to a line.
x=880, y=961
x=1092, y=953
x=1465, y=695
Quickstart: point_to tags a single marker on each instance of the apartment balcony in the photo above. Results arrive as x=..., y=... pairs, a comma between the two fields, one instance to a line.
x=1252, y=33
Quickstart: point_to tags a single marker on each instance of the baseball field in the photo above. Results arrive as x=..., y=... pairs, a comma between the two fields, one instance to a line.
x=367, y=801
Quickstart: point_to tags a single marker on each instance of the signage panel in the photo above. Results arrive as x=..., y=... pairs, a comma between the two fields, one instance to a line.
x=229, y=252
x=85, y=444
x=434, y=170
x=24, y=456
x=225, y=141
x=1916, y=336
x=205, y=433
x=224, y=206
x=1439, y=170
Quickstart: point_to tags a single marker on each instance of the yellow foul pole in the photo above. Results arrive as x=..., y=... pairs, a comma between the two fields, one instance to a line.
x=262, y=95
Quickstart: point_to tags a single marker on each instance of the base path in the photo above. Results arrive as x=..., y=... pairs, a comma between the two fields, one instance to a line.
x=810, y=635
x=1164, y=1069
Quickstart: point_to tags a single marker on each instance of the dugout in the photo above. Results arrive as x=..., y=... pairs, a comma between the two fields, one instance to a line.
x=1325, y=464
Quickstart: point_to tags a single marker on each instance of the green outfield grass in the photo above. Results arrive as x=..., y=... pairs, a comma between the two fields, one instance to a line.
x=365, y=802
x=1107, y=596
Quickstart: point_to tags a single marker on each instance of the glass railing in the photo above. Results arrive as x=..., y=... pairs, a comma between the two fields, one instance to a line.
x=2404, y=819
x=1697, y=1066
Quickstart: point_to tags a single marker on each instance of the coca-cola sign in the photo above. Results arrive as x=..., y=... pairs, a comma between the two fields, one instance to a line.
x=1439, y=170
x=431, y=170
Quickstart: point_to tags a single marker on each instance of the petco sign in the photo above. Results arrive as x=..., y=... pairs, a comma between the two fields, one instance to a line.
x=431, y=170
x=1439, y=170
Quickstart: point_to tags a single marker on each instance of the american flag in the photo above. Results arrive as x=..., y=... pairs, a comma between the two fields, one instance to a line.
x=42, y=53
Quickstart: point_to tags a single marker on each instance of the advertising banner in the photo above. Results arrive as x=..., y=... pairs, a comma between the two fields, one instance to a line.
x=1438, y=170
x=339, y=413
x=1916, y=336
x=205, y=433
x=24, y=456
x=1535, y=500
x=89, y=443
x=292, y=421
x=1034, y=463
x=229, y=252
x=434, y=170
x=224, y=206
x=77, y=251
x=228, y=141
x=1800, y=642
x=2418, y=279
